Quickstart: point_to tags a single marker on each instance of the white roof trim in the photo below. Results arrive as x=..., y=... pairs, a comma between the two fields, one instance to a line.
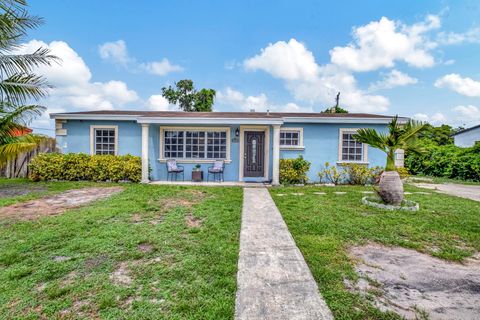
x=341, y=120
x=66, y=116
x=186, y=121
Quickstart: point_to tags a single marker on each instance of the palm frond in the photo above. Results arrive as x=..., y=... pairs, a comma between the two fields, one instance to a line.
x=14, y=146
x=15, y=118
x=11, y=64
x=19, y=88
x=411, y=129
x=371, y=137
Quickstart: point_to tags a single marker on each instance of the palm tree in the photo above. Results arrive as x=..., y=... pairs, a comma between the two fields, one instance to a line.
x=19, y=85
x=398, y=137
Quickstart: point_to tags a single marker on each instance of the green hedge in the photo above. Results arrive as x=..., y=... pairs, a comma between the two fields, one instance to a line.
x=80, y=166
x=293, y=171
x=447, y=161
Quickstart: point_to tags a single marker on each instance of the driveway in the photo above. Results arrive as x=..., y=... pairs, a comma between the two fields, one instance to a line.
x=460, y=190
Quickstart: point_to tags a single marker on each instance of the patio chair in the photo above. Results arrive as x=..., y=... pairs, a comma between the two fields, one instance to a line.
x=174, y=169
x=216, y=169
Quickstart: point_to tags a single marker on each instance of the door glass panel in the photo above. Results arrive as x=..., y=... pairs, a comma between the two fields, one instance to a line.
x=254, y=151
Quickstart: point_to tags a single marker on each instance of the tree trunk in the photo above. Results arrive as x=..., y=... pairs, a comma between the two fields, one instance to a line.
x=391, y=187
x=390, y=160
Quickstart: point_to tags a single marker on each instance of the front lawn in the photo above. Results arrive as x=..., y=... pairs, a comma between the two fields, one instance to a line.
x=325, y=226
x=149, y=252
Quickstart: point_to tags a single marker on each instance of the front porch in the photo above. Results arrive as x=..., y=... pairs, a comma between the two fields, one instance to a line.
x=243, y=184
x=250, y=150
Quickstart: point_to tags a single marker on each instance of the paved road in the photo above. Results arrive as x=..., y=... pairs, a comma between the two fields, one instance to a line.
x=274, y=281
x=460, y=190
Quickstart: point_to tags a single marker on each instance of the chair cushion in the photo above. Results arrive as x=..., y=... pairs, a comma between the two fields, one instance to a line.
x=218, y=165
x=172, y=165
x=215, y=170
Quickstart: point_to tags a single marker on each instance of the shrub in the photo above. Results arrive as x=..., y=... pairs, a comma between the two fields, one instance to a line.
x=403, y=172
x=446, y=161
x=331, y=174
x=80, y=166
x=294, y=171
x=358, y=174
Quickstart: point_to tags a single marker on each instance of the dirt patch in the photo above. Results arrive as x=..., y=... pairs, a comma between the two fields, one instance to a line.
x=193, y=222
x=187, y=199
x=145, y=247
x=411, y=283
x=94, y=262
x=121, y=276
x=12, y=190
x=55, y=204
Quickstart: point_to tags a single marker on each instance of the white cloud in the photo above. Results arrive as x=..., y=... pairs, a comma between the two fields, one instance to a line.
x=117, y=53
x=229, y=99
x=72, y=84
x=450, y=38
x=435, y=119
x=379, y=44
x=308, y=82
x=449, y=62
x=470, y=112
x=465, y=86
x=393, y=79
x=157, y=102
x=285, y=60
x=160, y=68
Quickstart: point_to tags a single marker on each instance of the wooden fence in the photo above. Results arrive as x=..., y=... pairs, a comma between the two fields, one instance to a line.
x=18, y=167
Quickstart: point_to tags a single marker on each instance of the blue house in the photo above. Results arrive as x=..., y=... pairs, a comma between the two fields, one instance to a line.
x=250, y=143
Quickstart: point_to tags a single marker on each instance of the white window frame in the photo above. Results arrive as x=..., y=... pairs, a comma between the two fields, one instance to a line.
x=92, y=137
x=340, y=153
x=194, y=160
x=300, y=139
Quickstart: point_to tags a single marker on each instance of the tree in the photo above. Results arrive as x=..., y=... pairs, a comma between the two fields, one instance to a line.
x=188, y=98
x=440, y=136
x=18, y=82
x=398, y=137
x=336, y=108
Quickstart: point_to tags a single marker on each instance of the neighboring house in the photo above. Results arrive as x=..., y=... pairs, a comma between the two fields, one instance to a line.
x=467, y=137
x=251, y=143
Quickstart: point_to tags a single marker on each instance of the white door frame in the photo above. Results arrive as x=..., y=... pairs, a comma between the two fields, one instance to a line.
x=266, y=160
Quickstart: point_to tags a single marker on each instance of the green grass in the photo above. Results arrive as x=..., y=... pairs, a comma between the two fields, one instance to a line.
x=186, y=273
x=325, y=226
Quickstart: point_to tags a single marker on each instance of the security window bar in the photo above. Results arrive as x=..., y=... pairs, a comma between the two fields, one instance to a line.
x=195, y=144
x=289, y=138
x=105, y=141
x=352, y=150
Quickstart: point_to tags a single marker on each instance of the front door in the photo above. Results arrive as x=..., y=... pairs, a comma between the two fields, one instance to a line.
x=254, y=154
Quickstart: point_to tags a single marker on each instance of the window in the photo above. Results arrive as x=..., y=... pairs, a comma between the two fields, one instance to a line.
x=350, y=149
x=206, y=144
x=291, y=138
x=103, y=140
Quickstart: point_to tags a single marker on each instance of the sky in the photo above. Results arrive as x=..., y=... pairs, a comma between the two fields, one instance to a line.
x=413, y=58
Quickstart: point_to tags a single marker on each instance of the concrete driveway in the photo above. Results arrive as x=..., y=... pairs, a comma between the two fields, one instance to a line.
x=471, y=192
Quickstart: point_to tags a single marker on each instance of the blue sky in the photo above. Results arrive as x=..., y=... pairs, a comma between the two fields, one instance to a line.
x=413, y=58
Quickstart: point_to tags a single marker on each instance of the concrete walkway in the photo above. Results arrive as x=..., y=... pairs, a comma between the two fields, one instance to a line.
x=460, y=190
x=274, y=281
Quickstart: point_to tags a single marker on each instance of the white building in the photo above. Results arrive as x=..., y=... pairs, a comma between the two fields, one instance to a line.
x=468, y=137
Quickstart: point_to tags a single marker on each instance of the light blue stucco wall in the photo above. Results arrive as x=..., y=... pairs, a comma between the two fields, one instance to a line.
x=321, y=145
x=320, y=141
x=468, y=138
